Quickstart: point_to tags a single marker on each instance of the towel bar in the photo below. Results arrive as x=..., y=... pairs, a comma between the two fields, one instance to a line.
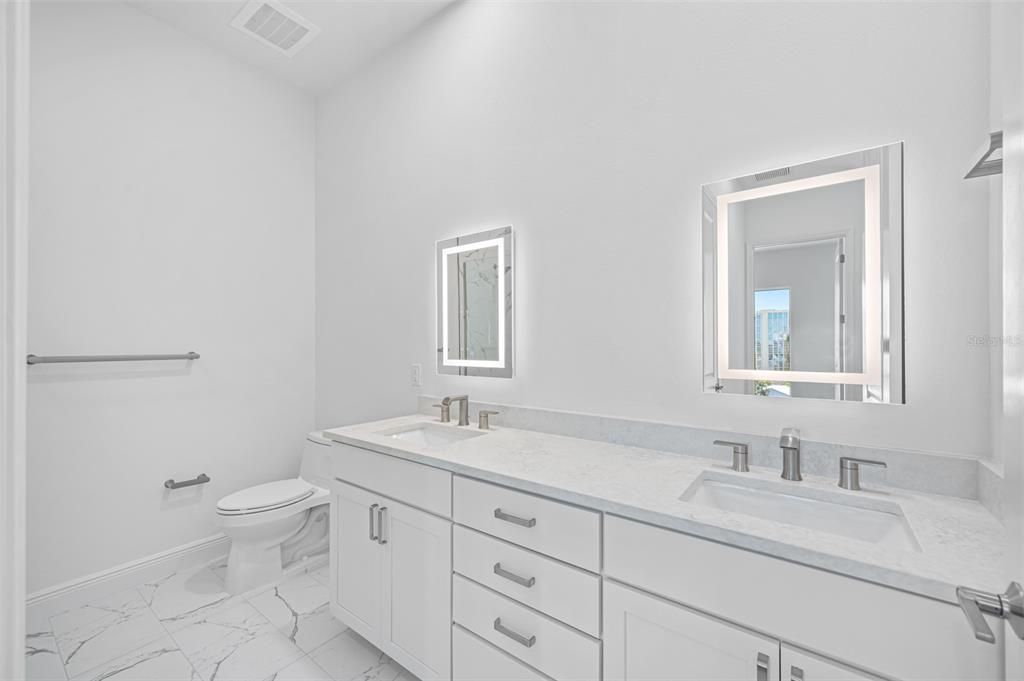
x=63, y=359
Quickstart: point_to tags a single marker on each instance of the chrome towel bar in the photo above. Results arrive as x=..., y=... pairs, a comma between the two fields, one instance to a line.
x=201, y=480
x=64, y=359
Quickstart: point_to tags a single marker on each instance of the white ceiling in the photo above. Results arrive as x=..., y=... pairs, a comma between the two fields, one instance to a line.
x=352, y=33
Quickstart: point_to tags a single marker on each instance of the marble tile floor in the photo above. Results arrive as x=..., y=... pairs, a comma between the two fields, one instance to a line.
x=186, y=627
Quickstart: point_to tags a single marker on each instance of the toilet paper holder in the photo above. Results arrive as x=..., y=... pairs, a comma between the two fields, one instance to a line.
x=201, y=479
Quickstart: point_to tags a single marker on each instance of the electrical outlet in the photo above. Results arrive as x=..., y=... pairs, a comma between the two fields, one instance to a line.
x=417, y=375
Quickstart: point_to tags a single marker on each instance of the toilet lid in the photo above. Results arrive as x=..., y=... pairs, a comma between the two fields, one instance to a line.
x=269, y=495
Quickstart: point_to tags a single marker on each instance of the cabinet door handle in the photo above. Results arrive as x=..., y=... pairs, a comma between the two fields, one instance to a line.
x=373, y=534
x=514, y=519
x=380, y=525
x=796, y=674
x=513, y=577
x=515, y=636
x=762, y=667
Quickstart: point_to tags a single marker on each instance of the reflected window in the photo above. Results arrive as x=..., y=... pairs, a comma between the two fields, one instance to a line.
x=771, y=330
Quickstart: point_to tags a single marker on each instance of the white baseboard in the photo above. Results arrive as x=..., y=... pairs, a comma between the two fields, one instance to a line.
x=76, y=592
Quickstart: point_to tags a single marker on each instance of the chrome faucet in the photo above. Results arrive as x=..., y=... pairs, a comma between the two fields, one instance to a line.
x=463, y=408
x=789, y=440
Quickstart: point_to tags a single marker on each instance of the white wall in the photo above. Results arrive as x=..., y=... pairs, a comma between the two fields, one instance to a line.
x=172, y=210
x=590, y=128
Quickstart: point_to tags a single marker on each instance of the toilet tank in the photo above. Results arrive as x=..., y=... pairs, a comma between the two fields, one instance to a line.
x=316, y=462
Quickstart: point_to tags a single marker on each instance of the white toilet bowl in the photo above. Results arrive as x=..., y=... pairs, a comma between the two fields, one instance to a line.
x=261, y=520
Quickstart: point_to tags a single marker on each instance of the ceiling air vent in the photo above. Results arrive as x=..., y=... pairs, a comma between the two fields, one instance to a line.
x=771, y=174
x=274, y=24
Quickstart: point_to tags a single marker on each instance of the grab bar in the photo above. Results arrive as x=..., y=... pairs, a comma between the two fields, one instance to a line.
x=201, y=480
x=63, y=359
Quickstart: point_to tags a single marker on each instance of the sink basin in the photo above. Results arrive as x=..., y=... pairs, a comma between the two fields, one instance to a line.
x=430, y=435
x=870, y=520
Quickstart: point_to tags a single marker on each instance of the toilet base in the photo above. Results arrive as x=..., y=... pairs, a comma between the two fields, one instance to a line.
x=263, y=545
x=250, y=567
x=255, y=556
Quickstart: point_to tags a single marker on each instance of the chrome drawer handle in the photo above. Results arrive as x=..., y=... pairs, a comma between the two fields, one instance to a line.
x=517, y=637
x=513, y=577
x=380, y=525
x=796, y=674
x=762, y=667
x=514, y=519
x=373, y=535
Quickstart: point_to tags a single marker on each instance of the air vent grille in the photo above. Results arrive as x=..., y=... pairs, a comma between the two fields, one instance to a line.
x=274, y=24
x=771, y=174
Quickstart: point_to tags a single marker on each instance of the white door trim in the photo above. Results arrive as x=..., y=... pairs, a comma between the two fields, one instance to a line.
x=14, y=37
x=1007, y=23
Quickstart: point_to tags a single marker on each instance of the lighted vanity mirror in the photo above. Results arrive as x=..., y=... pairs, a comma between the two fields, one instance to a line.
x=803, y=280
x=475, y=314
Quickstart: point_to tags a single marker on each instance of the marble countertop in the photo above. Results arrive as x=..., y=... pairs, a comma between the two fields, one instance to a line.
x=961, y=543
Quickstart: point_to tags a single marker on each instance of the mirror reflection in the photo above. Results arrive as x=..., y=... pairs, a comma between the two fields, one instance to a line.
x=806, y=295
x=475, y=304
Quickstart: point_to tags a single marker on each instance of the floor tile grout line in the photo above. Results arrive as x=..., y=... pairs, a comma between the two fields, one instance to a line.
x=67, y=673
x=149, y=605
x=60, y=657
x=228, y=601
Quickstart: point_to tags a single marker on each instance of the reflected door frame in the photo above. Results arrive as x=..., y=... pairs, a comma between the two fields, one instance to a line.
x=840, y=286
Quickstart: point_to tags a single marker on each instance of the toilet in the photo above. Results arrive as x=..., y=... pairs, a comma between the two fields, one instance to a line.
x=277, y=524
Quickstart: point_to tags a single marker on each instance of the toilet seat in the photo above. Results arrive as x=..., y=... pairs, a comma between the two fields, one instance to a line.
x=266, y=497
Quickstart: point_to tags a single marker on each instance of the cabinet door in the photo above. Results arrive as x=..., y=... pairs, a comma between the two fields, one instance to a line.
x=650, y=639
x=356, y=560
x=798, y=665
x=417, y=621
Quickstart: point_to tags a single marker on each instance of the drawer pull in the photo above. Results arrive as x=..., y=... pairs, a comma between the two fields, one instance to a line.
x=796, y=674
x=513, y=577
x=762, y=667
x=517, y=637
x=514, y=519
x=380, y=525
x=373, y=534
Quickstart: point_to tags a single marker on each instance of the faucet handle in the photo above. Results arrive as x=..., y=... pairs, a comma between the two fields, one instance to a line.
x=485, y=418
x=740, y=454
x=852, y=462
x=446, y=412
x=849, y=471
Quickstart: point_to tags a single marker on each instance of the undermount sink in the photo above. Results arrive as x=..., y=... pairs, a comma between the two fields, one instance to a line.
x=430, y=435
x=870, y=520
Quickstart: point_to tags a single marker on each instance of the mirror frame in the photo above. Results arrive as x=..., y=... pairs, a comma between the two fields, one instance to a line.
x=882, y=373
x=502, y=239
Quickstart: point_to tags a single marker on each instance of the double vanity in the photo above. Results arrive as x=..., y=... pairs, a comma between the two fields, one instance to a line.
x=513, y=555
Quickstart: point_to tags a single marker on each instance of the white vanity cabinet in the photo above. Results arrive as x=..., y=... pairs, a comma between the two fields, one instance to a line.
x=466, y=580
x=391, y=567
x=526, y=585
x=874, y=628
x=650, y=639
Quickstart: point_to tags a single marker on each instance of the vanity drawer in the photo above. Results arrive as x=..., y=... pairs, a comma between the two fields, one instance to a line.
x=476, y=660
x=422, y=486
x=566, y=532
x=562, y=591
x=541, y=642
